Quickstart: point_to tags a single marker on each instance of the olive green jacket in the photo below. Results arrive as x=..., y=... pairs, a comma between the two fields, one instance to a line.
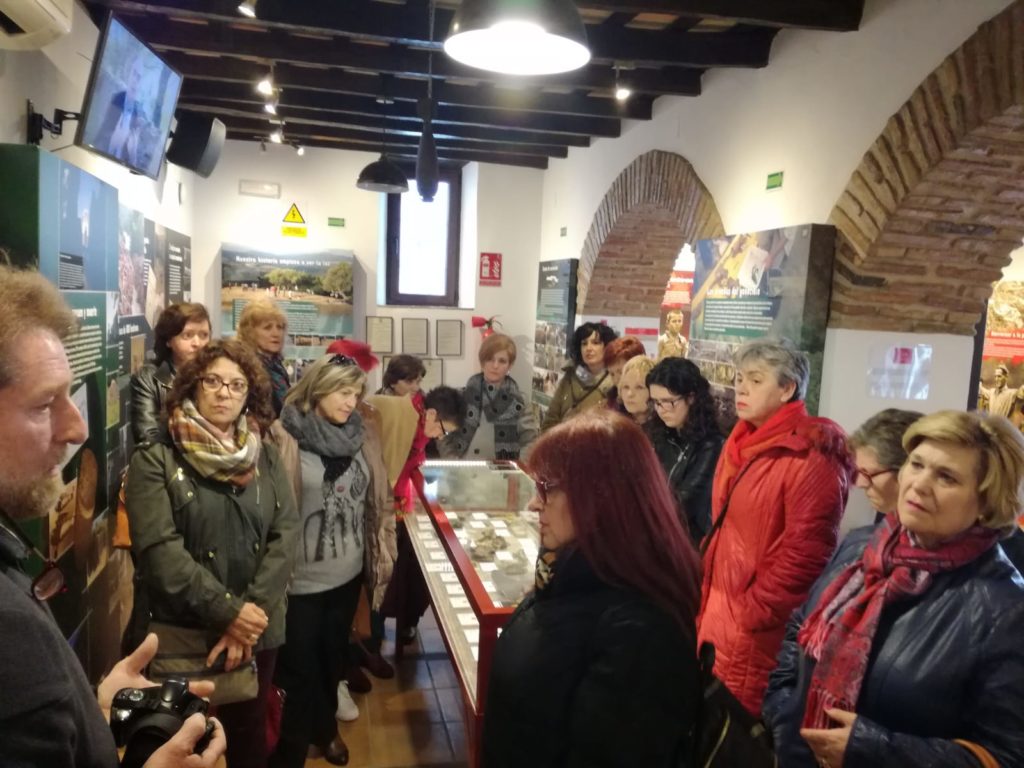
x=203, y=548
x=571, y=397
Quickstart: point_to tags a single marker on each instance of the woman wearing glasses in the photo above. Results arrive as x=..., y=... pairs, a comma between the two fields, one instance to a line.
x=213, y=527
x=779, y=491
x=332, y=456
x=686, y=438
x=597, y=666
x=878, y=454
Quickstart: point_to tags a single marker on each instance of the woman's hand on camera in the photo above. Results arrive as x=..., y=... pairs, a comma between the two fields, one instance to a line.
x=235, y=652
x=178, y=752
x=127, y=673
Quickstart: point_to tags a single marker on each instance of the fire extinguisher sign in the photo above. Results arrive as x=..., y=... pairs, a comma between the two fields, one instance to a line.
x=490, y=269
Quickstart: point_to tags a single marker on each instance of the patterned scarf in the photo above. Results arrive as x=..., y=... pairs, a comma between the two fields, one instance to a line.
x=215, y=454
x=544, y=571
x=500, y=405
x=279, y=381
x=335, y=444
x=839, y=633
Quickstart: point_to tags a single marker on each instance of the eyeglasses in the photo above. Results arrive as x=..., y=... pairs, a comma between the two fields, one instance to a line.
x=343, y=360
x=444, y=430
x=50, y=581
x=214, y=383
x=869, y=477
x=544, y=487
x=667, y=404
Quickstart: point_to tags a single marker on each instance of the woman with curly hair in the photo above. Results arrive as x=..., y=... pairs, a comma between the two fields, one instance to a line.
x=686, y=438
x=213, y=528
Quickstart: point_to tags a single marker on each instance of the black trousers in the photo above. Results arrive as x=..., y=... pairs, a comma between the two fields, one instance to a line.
x=245, y=722
x=309, y=667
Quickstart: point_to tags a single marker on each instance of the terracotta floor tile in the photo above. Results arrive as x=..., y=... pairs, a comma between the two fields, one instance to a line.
x=409, y=744
x=357, y=737
x=418, y=705
x=452, y=707
x=457, y=739
x=442, y=674
x=431, y=642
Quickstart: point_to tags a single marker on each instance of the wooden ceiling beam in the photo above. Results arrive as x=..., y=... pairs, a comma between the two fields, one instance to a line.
x=281, y=47
x=394, y=126
x=287, y=76
x=832, y=15
x=381, y=23
x=367, y=105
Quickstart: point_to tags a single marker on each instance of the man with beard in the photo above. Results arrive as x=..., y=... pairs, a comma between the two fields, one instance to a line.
x=49, y=715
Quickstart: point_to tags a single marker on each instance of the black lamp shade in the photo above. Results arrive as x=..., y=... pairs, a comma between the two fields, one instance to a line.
x=426, y=165
x=383, y=176
x=481, y=35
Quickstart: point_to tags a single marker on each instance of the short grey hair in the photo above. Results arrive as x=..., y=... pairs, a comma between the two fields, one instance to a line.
x=883, y=434
x=321, y=379
x=788, y=363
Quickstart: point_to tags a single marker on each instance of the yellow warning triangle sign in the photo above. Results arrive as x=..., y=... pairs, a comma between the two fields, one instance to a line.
x=293, y=216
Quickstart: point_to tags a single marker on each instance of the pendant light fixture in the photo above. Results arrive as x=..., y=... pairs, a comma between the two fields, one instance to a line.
x=382, y=175
x=427, y=173
x=518, y=37
x=247, y=8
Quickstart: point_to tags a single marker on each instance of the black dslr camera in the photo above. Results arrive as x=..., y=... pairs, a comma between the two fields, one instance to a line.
x=143, y=719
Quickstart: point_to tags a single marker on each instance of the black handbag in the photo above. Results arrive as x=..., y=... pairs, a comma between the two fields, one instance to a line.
x=726, y=734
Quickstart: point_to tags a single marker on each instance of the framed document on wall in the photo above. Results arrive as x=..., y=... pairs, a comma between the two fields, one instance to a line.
x=414, y=336
x=380, y=334
x=434, y=376
x=448, y=338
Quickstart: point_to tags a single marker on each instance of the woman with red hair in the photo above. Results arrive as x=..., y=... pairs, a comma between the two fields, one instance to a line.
x=616, y=354
x=597, y=666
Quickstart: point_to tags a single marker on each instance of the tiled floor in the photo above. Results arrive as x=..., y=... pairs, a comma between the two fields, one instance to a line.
x=414, y=719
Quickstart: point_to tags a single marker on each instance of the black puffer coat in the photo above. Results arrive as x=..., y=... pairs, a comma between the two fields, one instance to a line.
x=690, y=466
x=588, y=675
x=946, y=665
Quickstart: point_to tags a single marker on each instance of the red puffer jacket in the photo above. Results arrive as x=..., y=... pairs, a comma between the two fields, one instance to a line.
x=786, y=485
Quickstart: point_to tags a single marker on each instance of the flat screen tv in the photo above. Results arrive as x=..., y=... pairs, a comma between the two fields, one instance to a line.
x=129, y=103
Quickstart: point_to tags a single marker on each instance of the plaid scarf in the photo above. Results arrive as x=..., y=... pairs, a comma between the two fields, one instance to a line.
x=213, y=453
x=279, y=381
x=544, y=571
x=839, y=633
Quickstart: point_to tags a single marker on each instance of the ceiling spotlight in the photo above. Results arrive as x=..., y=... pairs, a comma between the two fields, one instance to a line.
x=277, y=137
x=299, y=150
x=622, y=89
x=247, y=8
x=518, y=38
x=263, y=146
x=266, y=85
x=271, y=106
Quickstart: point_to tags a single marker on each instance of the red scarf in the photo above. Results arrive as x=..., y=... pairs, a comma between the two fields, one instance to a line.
x=839, y=633
x=746, y=441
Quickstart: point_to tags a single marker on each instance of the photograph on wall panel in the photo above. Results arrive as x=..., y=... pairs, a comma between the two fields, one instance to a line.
x=1001, y=389
x=314, y=290
x=757, y=284
x=556, y=311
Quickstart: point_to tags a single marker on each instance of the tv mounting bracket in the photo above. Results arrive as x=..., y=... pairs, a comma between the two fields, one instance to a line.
x=37, y=123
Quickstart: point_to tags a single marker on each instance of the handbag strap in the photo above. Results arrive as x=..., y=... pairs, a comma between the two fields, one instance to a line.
x=982, y=755
x=706, y=542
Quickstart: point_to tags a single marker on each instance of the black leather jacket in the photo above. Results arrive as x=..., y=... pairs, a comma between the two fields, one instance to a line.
x=150, y=387
x=948, y=664
x=690, y=467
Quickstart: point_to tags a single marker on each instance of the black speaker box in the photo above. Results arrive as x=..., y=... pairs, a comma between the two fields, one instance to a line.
x=196, y=142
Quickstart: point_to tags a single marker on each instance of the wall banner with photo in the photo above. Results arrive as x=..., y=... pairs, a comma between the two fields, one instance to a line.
x=1002, y=359
x=556, y=312
x=771, y=283
x=314, y=290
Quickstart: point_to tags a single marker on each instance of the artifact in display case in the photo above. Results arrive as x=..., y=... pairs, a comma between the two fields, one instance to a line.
x=477, y=544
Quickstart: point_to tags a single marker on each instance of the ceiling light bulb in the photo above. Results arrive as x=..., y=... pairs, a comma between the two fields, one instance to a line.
x=247, y=8
x=266, y=86
x=300, y=150
x=263, y=146
x=509, y=37
x=622, y=92
x=270, y=107
x=277, y=137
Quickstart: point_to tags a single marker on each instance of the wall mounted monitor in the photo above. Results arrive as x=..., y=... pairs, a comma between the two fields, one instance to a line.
x=129, y=102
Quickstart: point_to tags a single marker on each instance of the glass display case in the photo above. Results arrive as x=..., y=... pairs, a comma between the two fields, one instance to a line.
x=476, y=544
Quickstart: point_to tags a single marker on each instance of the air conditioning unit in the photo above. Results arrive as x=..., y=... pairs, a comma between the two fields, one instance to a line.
x=30, y=24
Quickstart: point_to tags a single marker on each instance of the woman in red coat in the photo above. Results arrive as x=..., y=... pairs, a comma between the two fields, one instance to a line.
x=779, y=491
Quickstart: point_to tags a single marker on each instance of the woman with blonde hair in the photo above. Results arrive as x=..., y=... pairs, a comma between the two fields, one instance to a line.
x=498, y=423
x=907, y=652
x=332, y=457
x=262, y=325
x=633, y=395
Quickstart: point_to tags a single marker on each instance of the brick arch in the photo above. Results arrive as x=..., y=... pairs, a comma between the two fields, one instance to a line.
x=656, y=204
x=929, y=218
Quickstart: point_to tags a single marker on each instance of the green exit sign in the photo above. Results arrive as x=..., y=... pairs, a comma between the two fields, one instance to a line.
x=333, y=221
x=774, y=181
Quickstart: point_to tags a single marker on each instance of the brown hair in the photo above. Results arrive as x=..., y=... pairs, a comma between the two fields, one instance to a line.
x=28, y=302
x=403, y=368
x=495, y=343
x=622, y=349
x=171, y=322
x=257, y=399
x=256, y=313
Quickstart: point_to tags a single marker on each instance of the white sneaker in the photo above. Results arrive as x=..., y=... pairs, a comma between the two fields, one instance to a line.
x=347, y=709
